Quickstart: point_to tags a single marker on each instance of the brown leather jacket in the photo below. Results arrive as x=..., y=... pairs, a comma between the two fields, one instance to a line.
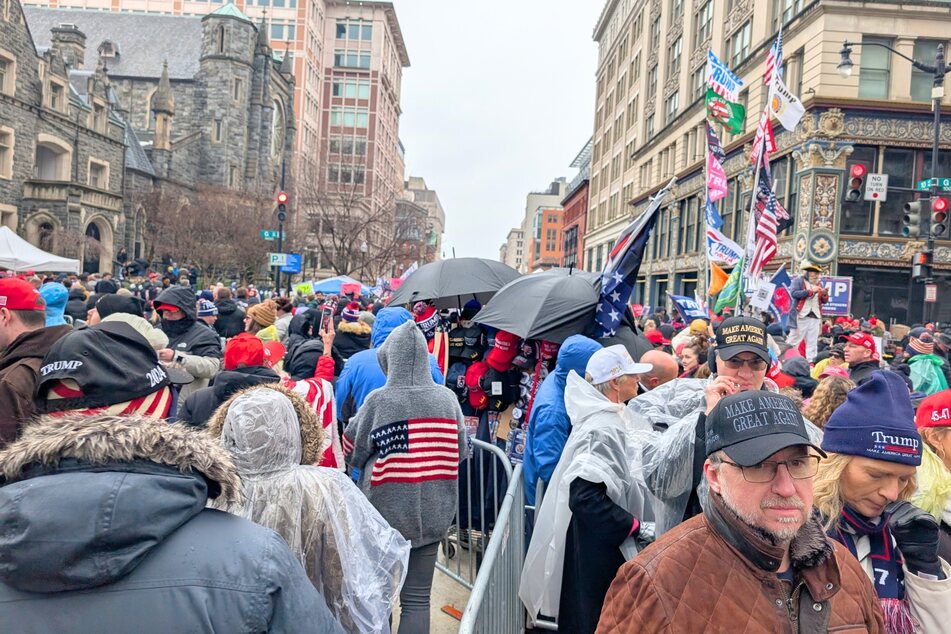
x=19, y=366
x=714, y=573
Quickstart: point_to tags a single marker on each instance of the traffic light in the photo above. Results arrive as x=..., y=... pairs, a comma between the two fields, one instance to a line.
x=282, y=199
x=911, y=220
x=939, y=217
x=853, y=193
x=921, y=265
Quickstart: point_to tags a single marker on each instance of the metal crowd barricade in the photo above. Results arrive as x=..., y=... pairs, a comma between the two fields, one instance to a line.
x=483, y=479
x=494, y=606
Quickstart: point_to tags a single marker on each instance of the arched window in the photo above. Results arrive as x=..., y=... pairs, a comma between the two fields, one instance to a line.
x=220, y=39
x=52, y=159
x=278, y=125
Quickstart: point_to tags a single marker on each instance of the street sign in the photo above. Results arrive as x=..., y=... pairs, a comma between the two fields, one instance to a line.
x=277, y=259
x=292, y=265
x=944, y=184
x=876, y=186
x=931, y=293
x=270, y=235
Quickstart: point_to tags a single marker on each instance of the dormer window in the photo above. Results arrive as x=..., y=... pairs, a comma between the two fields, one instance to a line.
x=108, y=49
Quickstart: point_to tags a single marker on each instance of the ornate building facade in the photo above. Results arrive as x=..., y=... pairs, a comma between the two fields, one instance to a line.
x=649, y=128
x=99, y=109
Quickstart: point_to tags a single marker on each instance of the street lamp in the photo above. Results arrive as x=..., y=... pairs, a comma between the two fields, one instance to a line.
x=363, y=259
x=938, y=70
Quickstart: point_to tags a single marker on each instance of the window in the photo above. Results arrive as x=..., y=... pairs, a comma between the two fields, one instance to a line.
x=873, y=69
x=703, y=24
x=902, y=167
x=52, y=160
x=698, y=82
x=349, y=117
x=6, y=153
x=333, y=173
x=673, y=57
x=237, y=89
x=359, y=174
x=351, y=88
x=652, y=82
x=217, y=131
x=280, y=31
x=99, y=118
x=98, y=174
x=7, y=74
x=922, y=82
x=354, y=30
x=792, y=72
x=352, y=59
x=232, y=176
x=676, y=7
x=636, y=69
x=671, y=106
x=785, y=10
x=649, y=127
x=738, y=46
x=57, y=96
x=220, y=39
x=655, y=34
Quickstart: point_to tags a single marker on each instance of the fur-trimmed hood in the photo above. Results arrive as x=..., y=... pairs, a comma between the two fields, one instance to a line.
x=355, y=328
x=85, y=499
x=311, y=431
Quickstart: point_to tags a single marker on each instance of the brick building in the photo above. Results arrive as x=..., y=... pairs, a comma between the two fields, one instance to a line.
x=576, y=211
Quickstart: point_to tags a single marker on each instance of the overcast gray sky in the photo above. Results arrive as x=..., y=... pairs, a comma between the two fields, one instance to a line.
x=498, y=100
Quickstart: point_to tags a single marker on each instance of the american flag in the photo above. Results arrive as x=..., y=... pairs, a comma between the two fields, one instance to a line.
x=767, y=223
x=764, y=142
x=774, y=59
x=620, y=271
x=416, y=450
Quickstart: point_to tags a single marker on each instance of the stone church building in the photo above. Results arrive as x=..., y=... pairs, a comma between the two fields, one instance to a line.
x=99, y=109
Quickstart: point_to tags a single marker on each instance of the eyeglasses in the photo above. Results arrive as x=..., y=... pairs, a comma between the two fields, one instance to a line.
x=756, y=365
x=800, y=468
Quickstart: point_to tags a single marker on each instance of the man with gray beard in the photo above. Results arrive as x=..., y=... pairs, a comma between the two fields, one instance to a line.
x=757, y=559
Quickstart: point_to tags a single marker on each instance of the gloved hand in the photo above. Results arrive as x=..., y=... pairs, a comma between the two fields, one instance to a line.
x=916, y=533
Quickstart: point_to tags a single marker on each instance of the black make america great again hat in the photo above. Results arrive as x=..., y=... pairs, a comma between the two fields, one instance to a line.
x=742, y=334
x=110, y=363
x=751, y=426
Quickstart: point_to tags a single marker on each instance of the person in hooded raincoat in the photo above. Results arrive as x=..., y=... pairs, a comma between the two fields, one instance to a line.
x=354, y=558
x=594, y=503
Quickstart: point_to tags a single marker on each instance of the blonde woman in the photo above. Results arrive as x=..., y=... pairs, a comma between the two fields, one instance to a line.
x=830, y=393
x=933, y=419
x=862, y=492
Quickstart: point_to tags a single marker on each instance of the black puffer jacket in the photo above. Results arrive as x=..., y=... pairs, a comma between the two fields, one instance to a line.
x=230, y=319
x=76, y=305
x=201, y=404
x=351, y=338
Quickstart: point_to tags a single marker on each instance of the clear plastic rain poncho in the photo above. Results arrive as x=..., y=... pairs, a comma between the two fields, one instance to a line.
x=667, y=442
x=352, y=555
x=598, y=450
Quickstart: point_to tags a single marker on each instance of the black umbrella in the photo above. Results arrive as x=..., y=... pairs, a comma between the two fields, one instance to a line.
x=549, y=306
x=451, y=283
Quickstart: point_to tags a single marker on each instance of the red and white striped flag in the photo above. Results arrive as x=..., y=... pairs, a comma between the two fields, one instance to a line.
x=764, y=135
x=416, y=450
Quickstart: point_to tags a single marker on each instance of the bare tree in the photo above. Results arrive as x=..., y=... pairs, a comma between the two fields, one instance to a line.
x=214, y=228
x=338, y=223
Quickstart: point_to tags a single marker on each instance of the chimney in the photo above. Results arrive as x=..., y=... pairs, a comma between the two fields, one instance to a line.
x=69, y=43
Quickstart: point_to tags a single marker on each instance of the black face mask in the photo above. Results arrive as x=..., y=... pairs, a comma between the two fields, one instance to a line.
x=177, y=326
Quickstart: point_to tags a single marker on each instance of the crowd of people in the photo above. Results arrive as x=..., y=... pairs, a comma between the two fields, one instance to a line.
x=221, y=459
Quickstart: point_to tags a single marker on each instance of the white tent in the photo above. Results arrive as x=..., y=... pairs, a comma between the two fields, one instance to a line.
x=16, y=254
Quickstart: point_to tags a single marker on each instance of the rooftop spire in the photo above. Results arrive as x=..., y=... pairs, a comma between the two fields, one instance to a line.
x=164, y=101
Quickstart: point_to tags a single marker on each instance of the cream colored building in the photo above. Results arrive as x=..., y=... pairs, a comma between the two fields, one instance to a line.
x=512, y=252
x=649, y=127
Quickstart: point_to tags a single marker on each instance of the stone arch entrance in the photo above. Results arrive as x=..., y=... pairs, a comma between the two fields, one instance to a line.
x=43, y=231
x=97, y=253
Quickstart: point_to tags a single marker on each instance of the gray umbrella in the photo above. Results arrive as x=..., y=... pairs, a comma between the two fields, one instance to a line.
x=451, y=283
x=549, y=306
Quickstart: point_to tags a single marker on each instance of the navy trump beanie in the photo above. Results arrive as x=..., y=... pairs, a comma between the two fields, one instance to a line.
x=876, y=421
